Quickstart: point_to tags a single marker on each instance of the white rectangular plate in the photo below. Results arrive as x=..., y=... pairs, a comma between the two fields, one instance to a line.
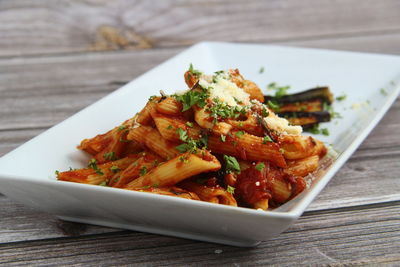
x=359, y=76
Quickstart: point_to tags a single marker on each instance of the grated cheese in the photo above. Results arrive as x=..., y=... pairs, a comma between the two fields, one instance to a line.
x=281, y=125
x=225, y=90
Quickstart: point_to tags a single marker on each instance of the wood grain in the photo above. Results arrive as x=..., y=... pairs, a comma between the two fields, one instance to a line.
x=37, y=99
x=20, y=223
x=334, y=237
x=65, y=26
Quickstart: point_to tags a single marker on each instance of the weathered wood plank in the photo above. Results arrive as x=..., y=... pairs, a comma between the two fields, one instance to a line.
x=44, y=27
x=356, y=236
x=20, y=223
x=30, y=97
x=37, y=99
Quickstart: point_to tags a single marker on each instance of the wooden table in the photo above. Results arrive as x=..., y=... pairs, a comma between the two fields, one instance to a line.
x=56, y=57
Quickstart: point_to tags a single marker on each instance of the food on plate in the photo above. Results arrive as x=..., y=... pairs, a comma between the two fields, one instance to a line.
x=307, y=108
x=216, y=142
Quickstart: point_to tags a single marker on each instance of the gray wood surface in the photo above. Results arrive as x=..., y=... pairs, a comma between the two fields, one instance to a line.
x=32, y=27
x=50, y=51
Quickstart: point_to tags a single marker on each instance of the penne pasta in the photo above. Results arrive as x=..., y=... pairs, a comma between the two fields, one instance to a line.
x=250, y=125
x=247, y=147
x=216, y=142
x=169, y=106
x=297, y=146
x=302, y=167
x=209, y=194
x=96, y=174
x=152, y=139
x=144, y=116
x=169, y=191
x=176, y=170
x=109, y=146
x=143, y=164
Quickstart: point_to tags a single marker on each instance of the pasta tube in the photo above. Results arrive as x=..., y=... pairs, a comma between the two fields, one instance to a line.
x=210, y=194
x=176, y=170
x=152, y=139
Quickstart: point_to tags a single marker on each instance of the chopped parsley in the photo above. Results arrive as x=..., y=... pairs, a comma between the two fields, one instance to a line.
x=169, y=127
x=239, y=134
x=341, y=97
x=316, y=130
x=115, y=169
x=190, y=145
x=279, y=90
x=260, y=166
x=267, y=139
x=191, y=98
x=262, y=69
x=104, y=183
x=57, y=172
x=264, y=112
x=325, y=131
x=150, y=186
x=143, y=171
x=183, y=159
x=189, y=124
x=123, y=141
x=194, y=71
x=223, y=138
x=232, y=165
x=273, y=105
x=220, y=110
x=383, y=92
x=122, y=127
x=182, y=134
x=110, y=156
x=230, y=189
x=329, y=108
x=93, y=165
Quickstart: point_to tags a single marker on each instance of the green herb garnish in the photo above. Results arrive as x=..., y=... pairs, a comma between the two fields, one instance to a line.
x=279, y=90
x=110, y=156
x=194, y=71
x=273, y=105
x=143, y=171
x=192, y=98
x=230, y=189
x=232, y=165
x=260, y=166
x=325, y=131
x=267, y=139
x=223, y=138
x=341, y=97
x=239, y=134
x=93, y=165
x=115, y=169
x=104, y=183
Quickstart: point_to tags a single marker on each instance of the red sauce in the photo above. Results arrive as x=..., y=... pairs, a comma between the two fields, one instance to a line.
x=252, y=185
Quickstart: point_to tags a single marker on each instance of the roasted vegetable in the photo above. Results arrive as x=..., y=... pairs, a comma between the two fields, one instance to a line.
x=307, y=108
x=306, y=119
x=321, y=93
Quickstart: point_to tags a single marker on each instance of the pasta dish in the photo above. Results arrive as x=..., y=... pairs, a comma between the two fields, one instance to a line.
x=216, y=141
